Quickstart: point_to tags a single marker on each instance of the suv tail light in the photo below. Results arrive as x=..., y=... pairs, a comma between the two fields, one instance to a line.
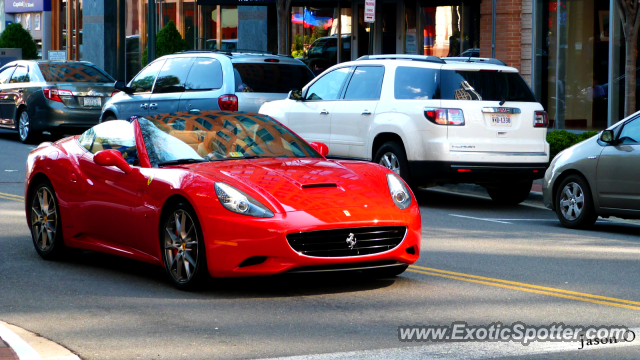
x=540, y=119
x=54, y=94
x=228, y=102
x=444, y=116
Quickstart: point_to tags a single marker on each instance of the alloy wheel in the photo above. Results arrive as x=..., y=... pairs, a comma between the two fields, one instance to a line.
x=390, y=161
x=23, y=125
x=572, y=201
x=44, y=219
x=181, y=246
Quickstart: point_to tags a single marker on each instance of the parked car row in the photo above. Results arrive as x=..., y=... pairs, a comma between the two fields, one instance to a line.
x=429, y=120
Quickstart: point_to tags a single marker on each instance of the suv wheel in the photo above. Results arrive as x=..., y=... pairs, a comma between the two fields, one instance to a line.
x=510, y=193
x=574, y=205
x=392, y=156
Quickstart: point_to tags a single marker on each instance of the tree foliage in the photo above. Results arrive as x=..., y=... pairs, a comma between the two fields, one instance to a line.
x=15, y=36
x=168, y=41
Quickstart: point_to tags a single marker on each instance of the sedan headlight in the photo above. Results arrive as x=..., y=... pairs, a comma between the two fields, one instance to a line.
x=239, y=202
x=399, y=192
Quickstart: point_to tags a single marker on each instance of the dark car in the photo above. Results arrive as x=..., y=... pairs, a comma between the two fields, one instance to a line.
x=54, y=96
x=325, y=50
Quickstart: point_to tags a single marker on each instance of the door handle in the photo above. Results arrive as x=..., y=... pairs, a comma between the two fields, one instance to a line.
x=324, y=112
x=366, y=112
x=153, y=106
x=144, y=106
x=193, y=111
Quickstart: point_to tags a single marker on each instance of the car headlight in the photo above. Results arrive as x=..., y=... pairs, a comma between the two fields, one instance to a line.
x=239, y=202
x=399, y=192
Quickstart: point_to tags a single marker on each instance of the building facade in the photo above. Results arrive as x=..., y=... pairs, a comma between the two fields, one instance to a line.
x=570, y=52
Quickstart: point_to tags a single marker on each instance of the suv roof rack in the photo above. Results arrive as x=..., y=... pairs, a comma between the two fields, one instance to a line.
x=432, y=59
x=238, y=51
x=474, y=60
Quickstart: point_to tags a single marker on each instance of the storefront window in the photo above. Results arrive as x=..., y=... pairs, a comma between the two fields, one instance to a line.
x=132, y=40
x=189, y=23
x=229, y=19
x=315, y=35
x=451, y=30
x=572, y=62
x=410, y=28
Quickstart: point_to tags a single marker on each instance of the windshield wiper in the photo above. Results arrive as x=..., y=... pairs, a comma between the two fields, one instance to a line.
x=181, y=161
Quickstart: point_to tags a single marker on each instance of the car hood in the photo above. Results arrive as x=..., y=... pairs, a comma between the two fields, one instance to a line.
x=304, y=184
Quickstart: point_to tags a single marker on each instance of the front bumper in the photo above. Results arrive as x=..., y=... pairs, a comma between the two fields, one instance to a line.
x=231, y=239
x=426, y=172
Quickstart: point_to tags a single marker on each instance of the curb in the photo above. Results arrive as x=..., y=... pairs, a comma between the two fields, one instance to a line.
x=24, y=345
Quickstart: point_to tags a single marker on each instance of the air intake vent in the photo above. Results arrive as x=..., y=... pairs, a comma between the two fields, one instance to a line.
x=315, y=186
x=348, y=241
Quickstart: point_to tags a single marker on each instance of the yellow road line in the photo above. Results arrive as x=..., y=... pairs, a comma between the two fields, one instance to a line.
x=528, y=290
x=10, y=198
x=11, y=195
x=527, y=285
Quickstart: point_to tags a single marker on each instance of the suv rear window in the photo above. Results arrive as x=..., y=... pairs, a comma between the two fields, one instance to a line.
x=270, y=77
x=424, y=84
x=73, y=72
x=484, y=85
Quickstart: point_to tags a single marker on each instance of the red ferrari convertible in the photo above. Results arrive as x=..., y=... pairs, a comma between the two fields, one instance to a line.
x=218, y=193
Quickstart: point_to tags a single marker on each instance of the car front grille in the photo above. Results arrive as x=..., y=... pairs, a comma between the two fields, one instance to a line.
x=347, y=242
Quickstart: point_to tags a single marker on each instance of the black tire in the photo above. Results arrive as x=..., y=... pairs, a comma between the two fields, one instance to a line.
x=390, y=154
x=386, y=272
x=177, y=250
x=575, y=211
x=510, y=193
x=24, y=126
x=47, y=240
x=109, y=117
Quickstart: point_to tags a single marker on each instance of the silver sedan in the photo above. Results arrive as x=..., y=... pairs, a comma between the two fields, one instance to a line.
x=597, y=177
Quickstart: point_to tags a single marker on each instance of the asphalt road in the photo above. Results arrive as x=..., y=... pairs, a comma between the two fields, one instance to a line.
x=104, y=307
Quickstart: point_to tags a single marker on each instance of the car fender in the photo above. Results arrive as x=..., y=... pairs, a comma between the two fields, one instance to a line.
x=401, y=125
x=277, y=109
x=581, y=158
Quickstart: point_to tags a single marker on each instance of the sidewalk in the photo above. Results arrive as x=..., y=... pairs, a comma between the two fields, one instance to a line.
x=19, y=344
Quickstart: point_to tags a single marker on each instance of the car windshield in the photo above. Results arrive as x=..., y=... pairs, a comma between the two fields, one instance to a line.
x=73, y=72
x=218, y=135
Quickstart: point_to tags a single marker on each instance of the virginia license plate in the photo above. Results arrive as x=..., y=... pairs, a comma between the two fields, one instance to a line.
x=92, y=101
x=500, y=120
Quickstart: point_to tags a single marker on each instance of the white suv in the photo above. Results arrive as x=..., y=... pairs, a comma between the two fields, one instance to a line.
x=433, y=122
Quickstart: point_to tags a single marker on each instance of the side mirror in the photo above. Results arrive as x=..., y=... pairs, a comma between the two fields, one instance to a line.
x=295, y=95
x=321, y=148
x=112, y=158
x=607, y=136
x=120, y=85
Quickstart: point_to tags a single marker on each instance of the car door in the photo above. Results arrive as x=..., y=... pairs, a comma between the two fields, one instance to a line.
x=353, y=115
x=137, y=103
x=169, y=85
x=111, y=197
x=14, y=91
x=311, y=117
x=618, y=172
x=6, y=103
x=203, y=86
